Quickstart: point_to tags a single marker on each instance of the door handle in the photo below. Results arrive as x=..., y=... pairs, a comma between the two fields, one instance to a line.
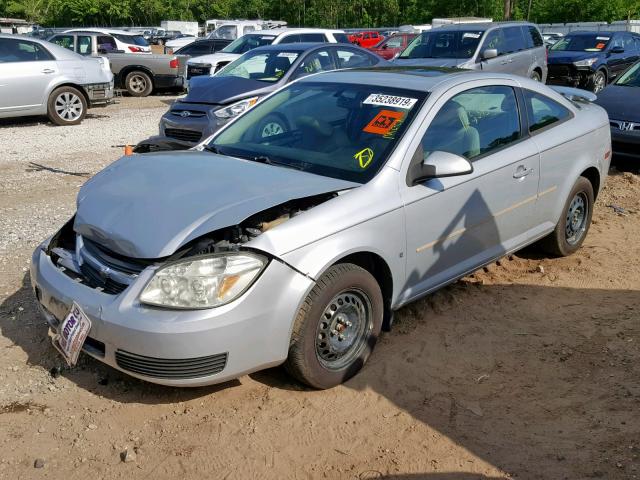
x=48, y=70
x=522, y=172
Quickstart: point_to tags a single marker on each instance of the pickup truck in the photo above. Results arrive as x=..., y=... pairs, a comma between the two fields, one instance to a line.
x=140, y=75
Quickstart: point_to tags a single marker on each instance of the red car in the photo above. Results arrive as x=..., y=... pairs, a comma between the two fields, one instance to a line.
x=389, y=47
x=366, y=39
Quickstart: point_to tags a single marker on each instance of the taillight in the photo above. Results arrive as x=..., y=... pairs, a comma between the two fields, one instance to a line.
x=135, y=49
x=174, y=63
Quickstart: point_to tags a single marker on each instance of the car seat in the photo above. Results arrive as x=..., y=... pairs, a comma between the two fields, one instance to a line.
x=452, y=132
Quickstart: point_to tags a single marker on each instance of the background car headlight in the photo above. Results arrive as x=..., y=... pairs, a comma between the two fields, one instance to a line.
x=585, y=63
x=236, y=109
x=203, y=282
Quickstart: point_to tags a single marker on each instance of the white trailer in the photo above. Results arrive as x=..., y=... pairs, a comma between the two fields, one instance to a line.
x=188, y=28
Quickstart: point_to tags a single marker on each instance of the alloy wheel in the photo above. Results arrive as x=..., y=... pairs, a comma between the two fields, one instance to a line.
x=68, y=106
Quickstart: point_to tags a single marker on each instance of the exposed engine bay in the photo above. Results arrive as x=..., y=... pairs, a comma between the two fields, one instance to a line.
x=90, y=263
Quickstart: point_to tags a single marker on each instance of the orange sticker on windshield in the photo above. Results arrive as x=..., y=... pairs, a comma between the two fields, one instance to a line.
x=383, y=122
x=600, y=46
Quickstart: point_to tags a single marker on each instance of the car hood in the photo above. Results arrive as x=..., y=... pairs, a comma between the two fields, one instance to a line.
x=621, y=103
x=221, y=90
x=430, y=62
x=569, y=57
x=214, y=58
x=148, y=206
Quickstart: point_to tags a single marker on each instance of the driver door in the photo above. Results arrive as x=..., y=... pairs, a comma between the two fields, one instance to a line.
x=456, y=224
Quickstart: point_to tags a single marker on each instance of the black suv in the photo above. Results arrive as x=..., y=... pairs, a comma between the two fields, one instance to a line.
x=203, y=47
x=591, y=60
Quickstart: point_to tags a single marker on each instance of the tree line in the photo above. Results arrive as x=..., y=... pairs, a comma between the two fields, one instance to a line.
x=318, y=13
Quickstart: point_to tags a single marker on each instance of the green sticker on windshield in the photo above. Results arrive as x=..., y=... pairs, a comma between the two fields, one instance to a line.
x=364, y=157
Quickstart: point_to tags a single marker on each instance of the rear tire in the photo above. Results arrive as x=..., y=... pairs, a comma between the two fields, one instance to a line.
x=336, y=328
x=138, y=84
x=66, y=106
x=574, y=223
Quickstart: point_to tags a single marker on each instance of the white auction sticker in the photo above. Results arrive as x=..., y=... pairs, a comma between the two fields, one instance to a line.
x=390, y=101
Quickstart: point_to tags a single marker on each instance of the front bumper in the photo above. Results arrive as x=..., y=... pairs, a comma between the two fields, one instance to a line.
x=246, y=335
x=625, y=145
x=198, y=125
x=99, y=94
x=568, y=74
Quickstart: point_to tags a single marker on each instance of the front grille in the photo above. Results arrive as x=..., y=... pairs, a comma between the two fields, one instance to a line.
x=561, y=71
x=181, y=134
x=197, y=70
x=175, y=369
x=93, y=279
x=625, y=126
x=188, y=113
x=624, y=148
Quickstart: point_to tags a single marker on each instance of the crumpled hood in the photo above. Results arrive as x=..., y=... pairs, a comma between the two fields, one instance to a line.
x=621, y=103
x=147, y=206
x=221, y=90
x=565, y=57
x=430, y=62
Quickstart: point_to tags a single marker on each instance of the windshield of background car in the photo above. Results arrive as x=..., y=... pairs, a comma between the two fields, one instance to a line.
x=338, y=130
x=248, y=42
x=446, y=44
x=631, y=78
x=262, y=66
x=132, y=39
x=582, y=43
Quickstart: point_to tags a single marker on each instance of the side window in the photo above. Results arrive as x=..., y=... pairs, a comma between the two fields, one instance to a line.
x=628, y=42
x=65, y=41
x=249, y=28
x=532, y=37
x=341, y=37
x=513, y=40
x=106, y=44
x=313, y=37
x=617, y=41
x=394, y=42
x=290, y=39
x=348, y=58
x=22, y=51
x=542, y=111
x=196, y=50
x=637, y=40
x=84, y=45
x=319, y=61
x=495, y=39
x=474, y=123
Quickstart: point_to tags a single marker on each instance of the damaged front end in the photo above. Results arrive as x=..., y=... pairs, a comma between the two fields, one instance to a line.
x=208, y=271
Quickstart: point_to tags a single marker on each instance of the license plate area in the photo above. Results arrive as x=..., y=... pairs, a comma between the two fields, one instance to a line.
x=72, y=334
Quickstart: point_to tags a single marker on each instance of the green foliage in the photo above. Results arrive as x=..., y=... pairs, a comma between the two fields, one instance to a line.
x=326, y=13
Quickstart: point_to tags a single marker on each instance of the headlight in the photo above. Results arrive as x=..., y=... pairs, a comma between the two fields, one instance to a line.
x=236, y=109
x=585, y=63
x=203, y=282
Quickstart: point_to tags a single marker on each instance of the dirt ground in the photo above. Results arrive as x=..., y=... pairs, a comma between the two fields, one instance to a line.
x=527, y=369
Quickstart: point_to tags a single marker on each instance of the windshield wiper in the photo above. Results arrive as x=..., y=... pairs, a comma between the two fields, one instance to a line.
x=210, y=148
x=269, y=161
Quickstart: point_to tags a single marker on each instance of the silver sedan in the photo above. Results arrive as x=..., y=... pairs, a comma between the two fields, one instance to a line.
x=197, y=267
x=40, y=78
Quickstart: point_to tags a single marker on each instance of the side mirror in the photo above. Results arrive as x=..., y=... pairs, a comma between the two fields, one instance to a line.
x=489, y=53
x=617, y=49
x=439, y=164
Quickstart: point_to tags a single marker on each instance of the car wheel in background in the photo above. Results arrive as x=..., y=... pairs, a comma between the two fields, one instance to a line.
x=272, y=124
x=138, y=84
x=574, y=222
x=598, y=81
x=336, y=327
x=66, y=106
x=535, y=75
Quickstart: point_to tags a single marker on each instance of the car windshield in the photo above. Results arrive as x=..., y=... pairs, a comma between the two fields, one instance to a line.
x=338, y=130
x=262, y=66
x=582, y=43
x=446, y=44
x=248, y=42
x=131, y=39
x=631, y=78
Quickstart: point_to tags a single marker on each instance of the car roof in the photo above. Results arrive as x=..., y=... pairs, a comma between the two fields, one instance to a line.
x=299, y=47
x=592, y=32
x=422, y=79
x=101, y=30
x=477, y=26
x=280, y=31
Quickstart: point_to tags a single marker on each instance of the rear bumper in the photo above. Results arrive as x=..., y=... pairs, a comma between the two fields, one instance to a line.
x=168, y=81
x=99, y=94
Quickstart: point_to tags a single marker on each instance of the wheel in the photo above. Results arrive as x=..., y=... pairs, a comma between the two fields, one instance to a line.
x=535, y=75
x=138, y=84
x=598, y=81
x=336, y=328
x=66, y=106
x=272, y=124
x=574, y=222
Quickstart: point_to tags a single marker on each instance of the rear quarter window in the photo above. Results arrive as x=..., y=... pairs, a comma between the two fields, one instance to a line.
x=543, y=112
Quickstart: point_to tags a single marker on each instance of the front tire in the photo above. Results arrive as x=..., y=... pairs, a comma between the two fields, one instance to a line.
x=138, y=84
x=598, y=81
x=535, y=75
x=66, y=106
x=336, y=328
x=574, y=222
